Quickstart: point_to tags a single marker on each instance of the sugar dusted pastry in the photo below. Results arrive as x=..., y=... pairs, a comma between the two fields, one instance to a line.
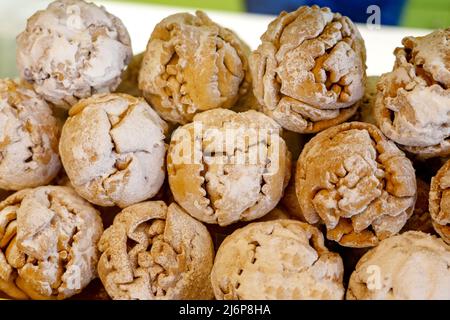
x=48, y=243
x=28, y=138
x=440, y=202
x=72, y=50
x=227, y=166
x=191, y=65
x=413, y=102
x=154, y=252
x=356, y=182
x=281, y=259
x=112, y=148
x=410, y=266
x=309, y=71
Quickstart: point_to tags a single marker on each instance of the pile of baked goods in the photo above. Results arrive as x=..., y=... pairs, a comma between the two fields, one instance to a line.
x=200, y=169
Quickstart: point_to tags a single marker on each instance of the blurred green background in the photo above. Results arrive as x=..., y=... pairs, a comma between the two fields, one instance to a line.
x=430, y=14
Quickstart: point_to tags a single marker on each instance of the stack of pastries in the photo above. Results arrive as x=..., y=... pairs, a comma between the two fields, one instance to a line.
x=200, y=169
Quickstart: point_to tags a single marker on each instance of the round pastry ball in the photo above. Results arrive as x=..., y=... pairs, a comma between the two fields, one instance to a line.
x=309, y=71
x=226, y=166
x=155, y=252
x=280, y=259
x=72, y=50
x=439, y=202
x=48, y=243
x=413, y=101
x=29, y=136
x=410, y=266
x=192, y=64
x=357, y=182
x=112, y=148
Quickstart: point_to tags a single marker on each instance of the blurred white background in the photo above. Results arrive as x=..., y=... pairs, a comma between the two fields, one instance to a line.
x=141, y=18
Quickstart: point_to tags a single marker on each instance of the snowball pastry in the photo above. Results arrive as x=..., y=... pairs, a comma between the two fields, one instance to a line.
x=280, y=259
x=410, y=266
x=28, y=138
x=356, y=182
x=112, y=148
x=191, y=65
x=309, y=71
x=72, y=50
x=156, y=252
x=226, y=166
x=48, y=243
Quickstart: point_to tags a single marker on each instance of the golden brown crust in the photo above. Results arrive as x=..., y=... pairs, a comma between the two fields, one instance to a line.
x=309, y=72
x=156, y=252
x=191, y=65
x=439, y=204
x=280, y=259
x=243, y=180
x=48, y=243
x=112, y=147
x=356, y=182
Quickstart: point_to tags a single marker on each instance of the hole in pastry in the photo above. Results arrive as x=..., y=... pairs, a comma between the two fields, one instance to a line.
x=131, y=244
x=240, y=271
x=237, y=285
x=30, y=158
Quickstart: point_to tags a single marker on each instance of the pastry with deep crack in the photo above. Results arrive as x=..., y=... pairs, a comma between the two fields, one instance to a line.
x=48, y=243
x=357, y=182
x=156, y=252
x=29, y=136
x=413, y=102
x=410, y=266
x=280, y=259
x=227, y=167
x=72, y=50
x=191, y=65
x=309, y=71
x=112, y=148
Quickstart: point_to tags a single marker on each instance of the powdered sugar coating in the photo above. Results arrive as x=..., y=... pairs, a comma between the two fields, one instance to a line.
x=356, y=182
x=71, y=50
x=281, y=259
x=309, y=71
x=112, y=148
x=191, y=65
x=48, y=243
x=410, y=266
x=29, y=136
x=210, y=168
x=154, y=252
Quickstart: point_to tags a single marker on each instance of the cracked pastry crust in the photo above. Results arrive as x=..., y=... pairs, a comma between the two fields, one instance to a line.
x=281, y=259
x=357, y=182
x=48, y=243
x=410, y=266
x=309, y=71
x=28, y=138
x=227, y=166
x=439, y=202
x=72, y=50
x=112, y=148
x=156, y=252
x=192, y=64
x=413, y=102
